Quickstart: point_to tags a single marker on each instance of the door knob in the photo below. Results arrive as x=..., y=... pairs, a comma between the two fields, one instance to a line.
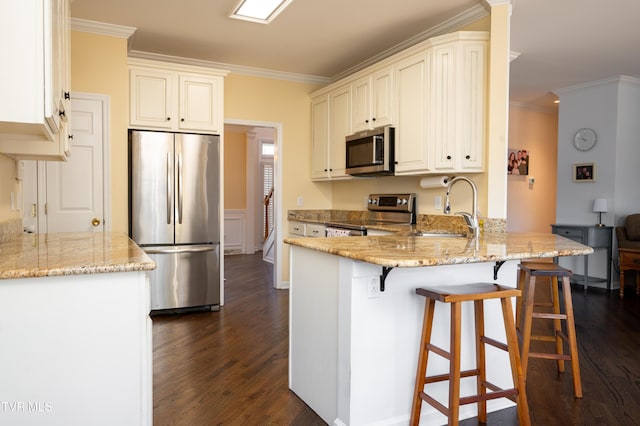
x=95, y=221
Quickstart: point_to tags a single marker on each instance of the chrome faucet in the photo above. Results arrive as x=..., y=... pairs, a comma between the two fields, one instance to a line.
x=470, y=219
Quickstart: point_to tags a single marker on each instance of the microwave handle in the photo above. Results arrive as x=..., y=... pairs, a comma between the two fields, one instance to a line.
x=377, y=139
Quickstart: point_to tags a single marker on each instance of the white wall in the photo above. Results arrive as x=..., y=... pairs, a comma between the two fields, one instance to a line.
x=612, y=108
x=627, y=154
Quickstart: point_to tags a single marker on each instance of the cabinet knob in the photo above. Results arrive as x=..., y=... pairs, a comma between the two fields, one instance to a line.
x=62, y=114
x=448, y=157
x=168, y=118
x=67, y=95
x=373, y=119
x=182, y=119
x=467, y=157
x=70, y=137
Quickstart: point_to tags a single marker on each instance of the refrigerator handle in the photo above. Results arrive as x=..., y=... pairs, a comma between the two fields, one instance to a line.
x=179, y=188
x=168, y=188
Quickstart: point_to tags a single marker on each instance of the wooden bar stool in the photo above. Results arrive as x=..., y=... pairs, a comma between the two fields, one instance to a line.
x=529, y=271
x=455, y=295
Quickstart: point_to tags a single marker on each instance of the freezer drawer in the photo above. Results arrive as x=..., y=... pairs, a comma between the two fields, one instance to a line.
x=186, y=276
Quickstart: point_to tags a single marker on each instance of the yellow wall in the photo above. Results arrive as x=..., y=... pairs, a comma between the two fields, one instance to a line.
x=8, y=184
x=532, y=208
x=99, y=65
x=278, y=101
x=235, y=170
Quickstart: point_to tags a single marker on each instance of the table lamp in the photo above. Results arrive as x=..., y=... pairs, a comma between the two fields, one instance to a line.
x=600, y=206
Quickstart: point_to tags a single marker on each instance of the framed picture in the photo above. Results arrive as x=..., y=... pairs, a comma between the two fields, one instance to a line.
x=518, y=162
x=584, y=172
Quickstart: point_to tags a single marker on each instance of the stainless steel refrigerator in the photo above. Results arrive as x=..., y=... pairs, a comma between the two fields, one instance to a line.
x=174, y=216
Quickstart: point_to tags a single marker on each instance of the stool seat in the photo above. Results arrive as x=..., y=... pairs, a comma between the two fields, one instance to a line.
x=529, y=271
x=456, y=295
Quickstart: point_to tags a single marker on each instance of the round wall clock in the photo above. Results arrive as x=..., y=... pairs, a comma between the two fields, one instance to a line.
x=584, y=139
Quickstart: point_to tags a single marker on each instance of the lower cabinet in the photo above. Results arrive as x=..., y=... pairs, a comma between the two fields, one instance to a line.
x=76, y=349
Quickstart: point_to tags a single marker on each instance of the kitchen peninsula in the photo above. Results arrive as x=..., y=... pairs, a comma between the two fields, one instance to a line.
x=353, y=347
x=75, y=330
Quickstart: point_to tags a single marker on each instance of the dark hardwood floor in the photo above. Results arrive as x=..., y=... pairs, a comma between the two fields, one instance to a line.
x=230, y=367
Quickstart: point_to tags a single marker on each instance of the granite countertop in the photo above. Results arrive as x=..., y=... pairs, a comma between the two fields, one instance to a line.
x=402, y=250
x=47, y=255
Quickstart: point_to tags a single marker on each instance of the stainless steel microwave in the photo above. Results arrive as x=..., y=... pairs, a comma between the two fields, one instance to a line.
x=371, y=152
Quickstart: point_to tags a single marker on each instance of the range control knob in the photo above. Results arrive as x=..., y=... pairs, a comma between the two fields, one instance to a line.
x=405, y=201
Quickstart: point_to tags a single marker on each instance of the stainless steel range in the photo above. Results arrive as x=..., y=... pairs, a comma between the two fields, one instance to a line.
x=384, y=209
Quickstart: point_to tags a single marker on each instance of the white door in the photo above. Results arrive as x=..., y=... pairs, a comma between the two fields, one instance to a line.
x=75, y=188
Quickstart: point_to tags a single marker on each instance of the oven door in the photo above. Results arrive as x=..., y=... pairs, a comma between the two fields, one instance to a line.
x=334, y=231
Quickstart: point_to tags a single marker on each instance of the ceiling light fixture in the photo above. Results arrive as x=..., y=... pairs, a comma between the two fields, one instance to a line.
x=260, y=11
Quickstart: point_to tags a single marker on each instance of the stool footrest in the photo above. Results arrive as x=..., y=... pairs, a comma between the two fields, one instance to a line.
x=549, y=356
x=495, y=343
x=443, y=377
x=435, y=404
x=544, y=338
x=502, y=393
x=437, y=350
x=545, y=315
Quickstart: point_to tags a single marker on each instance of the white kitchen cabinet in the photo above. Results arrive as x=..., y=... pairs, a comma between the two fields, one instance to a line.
x=175, y=97
x=35, y=80
x=331, y=114
x=339, y=129
x=372, y=100
x=458, y=106
x=319, y=137
x=434, y=95
x=412, y=112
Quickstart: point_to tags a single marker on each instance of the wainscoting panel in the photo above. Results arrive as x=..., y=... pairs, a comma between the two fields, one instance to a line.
x=235, y=225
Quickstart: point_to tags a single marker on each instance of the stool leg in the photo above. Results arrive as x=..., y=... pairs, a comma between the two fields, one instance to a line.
x=423, y=355
x=571, y=334
x=557, y=325
x=454, y=363
x=480, y=360
x=514, y=358
x=528, y=317
x=521, y=281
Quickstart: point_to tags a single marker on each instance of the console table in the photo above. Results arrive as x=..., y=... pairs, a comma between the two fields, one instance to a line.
x=596, y=237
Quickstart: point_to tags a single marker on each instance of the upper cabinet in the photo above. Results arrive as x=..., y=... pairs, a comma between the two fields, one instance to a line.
x=176, y=97
x=35, y=82
x=372, y=100
x=458, y=106
x=331, y=114
x=433, y=93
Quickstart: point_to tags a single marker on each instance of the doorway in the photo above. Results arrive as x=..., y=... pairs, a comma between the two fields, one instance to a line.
x=252, y=174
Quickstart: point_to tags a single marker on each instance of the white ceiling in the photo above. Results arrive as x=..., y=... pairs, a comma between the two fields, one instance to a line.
x=562, y=42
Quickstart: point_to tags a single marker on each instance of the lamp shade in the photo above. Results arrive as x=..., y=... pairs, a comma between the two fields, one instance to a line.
x=600, y=205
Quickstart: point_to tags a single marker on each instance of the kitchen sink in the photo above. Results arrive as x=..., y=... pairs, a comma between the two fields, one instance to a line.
x=435, y=234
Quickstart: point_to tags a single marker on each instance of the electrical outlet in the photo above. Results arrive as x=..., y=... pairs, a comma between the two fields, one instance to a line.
x=437, y=202
x=373, y=287
x=300, y=201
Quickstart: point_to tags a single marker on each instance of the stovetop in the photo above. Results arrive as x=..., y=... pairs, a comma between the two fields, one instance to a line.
x=384, y=209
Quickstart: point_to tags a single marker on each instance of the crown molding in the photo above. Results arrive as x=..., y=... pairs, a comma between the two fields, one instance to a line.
x=465, y=18
x=235, y=69
x=603, y=82
x=102, y=28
